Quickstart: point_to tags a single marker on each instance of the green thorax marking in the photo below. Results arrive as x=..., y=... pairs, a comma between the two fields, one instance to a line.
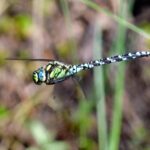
x=57, y=71
x=48, y=67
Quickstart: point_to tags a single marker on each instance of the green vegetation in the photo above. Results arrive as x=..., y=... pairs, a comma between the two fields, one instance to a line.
x=115, y=113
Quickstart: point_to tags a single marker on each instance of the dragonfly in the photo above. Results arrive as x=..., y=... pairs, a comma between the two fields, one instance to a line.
x=56, y=71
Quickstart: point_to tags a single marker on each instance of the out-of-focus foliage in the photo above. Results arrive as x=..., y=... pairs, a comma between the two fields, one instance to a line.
x=44, y=138
x=20, y=25
x=59, y=117
x=146, y=27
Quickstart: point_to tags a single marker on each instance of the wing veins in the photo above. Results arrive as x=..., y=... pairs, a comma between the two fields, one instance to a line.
x=24, y=59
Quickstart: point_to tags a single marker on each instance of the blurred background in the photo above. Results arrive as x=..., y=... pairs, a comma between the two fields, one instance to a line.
x=107, y=108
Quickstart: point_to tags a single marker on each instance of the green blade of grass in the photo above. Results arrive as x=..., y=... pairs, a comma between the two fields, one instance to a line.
x=116, y=18
x=66, y=13
x=100, y=94
x=117, y=110
x=119, y=86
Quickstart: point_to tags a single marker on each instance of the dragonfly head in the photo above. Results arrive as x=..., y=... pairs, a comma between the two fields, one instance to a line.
x=39, y=76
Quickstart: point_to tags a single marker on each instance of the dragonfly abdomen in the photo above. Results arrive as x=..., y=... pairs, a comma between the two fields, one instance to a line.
x=117, y=58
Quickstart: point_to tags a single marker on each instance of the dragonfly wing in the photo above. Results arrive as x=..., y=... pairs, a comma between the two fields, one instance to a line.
x=77, y=79
x=57, y=80
x=20, y=59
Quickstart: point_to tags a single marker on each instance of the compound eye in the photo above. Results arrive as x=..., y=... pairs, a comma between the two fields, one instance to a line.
x=35, y=77
x=41, y=74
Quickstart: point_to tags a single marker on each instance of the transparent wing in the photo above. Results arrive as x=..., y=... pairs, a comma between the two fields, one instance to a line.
x=20, y=59
x=77, y=79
